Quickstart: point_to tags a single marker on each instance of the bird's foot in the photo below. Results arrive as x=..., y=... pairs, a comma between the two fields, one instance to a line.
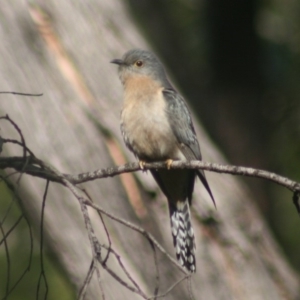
x=142, y=164
x=169, y=163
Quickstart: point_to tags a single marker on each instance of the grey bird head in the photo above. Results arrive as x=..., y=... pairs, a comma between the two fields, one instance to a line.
x=137, y=62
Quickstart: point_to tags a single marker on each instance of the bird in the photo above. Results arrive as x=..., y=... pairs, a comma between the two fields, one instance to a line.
x=156, y=125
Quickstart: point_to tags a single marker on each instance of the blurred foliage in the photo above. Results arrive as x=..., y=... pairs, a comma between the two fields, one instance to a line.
x=238, y=64
x=15, y=258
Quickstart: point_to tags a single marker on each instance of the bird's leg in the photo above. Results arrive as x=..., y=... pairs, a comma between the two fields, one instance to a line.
x=169, y=163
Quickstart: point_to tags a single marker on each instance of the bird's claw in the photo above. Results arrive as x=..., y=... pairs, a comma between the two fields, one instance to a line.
x=169, y=163
x=142, y=164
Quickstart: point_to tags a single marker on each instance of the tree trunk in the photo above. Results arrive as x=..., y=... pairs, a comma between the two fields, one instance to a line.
x=74, y=126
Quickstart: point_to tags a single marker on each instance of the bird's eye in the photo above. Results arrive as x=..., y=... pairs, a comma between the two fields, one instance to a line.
x=139, y=63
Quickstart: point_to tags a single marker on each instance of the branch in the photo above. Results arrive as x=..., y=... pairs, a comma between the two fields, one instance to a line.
x=36, y=167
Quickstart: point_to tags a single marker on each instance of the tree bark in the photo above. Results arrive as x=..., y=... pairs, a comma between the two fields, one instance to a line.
x=62, y=49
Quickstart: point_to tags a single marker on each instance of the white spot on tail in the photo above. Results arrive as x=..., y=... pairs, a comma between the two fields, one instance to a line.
x=183, y=235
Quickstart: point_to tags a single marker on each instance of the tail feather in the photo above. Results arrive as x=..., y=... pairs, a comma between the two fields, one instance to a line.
x=183, y=235
x=202, y=177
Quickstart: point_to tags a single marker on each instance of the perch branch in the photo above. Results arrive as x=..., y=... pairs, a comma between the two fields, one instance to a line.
x=36, y=167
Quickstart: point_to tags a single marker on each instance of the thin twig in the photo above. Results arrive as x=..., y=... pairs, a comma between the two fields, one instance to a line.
x=104, y=226
x=8, y=263
x=23, y=143
x=19, y=132
x=89, y=276
x=23, y=216
x=21, y=94
x=137, y=289
x=100, y=283
x=11, y=229
x=96, y=247
x=190, y=289
x=169, y=289
x=141, y=231
x=42, y=274
x=156, y=289
x=13, y=141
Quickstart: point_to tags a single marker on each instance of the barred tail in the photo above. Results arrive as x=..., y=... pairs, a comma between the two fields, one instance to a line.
x=183, y=234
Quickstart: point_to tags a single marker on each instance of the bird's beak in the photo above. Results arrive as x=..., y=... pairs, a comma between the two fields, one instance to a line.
x=117, y=61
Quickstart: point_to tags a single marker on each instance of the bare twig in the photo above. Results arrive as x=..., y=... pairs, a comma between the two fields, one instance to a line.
x=100, y=283
x=141, y=231
x=42, y=274
x=23, y=216
x=24, y=147
x=8, y=263
x=11, y=229
x=156, y=289
x=169, y=289
x=135, y=288
x=104, y=226
x=12, y=141
x=89, y=276
x=191, y=295
x=21, y=94
x=96, y=247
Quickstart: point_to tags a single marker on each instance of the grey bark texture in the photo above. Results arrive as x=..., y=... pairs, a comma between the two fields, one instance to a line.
x=74, y=126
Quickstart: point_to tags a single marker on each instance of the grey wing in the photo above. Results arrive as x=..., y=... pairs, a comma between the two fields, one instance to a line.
x=182, y=125
x=183, y=129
